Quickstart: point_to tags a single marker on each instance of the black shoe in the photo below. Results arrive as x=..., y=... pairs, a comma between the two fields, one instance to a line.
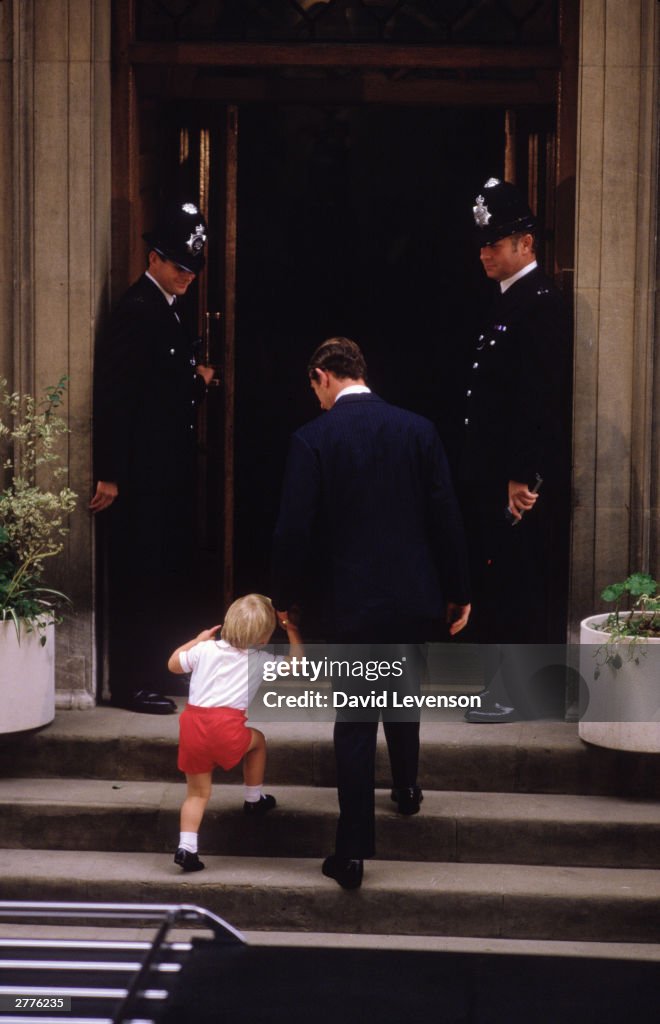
x=347, y=872
x=187, y=860
x=408, y=799
x=265, y=803
x=146, y=702
x=492, y=713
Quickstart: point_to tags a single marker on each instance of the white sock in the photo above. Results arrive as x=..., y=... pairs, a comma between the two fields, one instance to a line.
x=252, y=794
x=188, y=841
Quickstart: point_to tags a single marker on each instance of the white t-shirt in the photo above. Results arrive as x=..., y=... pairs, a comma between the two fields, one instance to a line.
x=223, y=676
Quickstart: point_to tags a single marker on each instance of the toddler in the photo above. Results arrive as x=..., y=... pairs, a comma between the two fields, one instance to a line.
x=212, y=727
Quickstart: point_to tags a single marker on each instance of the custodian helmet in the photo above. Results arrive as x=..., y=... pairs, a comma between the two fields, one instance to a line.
x=180, y=236
x=501, y=210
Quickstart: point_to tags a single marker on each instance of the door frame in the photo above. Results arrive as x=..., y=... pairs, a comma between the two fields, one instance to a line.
x=173, y=70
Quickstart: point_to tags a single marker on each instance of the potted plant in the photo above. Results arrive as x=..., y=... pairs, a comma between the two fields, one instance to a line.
x=620, y=666
x=33, y=511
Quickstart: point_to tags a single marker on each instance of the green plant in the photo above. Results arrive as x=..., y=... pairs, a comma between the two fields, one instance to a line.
x=635, y=625
x=33, y=507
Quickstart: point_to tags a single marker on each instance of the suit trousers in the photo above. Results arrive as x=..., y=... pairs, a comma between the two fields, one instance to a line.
x=355, y=740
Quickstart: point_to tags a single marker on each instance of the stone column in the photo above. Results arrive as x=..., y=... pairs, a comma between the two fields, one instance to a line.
x=56, y=97
x=616, y=466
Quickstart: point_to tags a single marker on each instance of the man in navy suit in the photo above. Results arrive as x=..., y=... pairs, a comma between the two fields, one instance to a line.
x=369, y=513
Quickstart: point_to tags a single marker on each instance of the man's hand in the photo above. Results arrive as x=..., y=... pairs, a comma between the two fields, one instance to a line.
x=521, y=499
x=457, y=617
x=106, y=492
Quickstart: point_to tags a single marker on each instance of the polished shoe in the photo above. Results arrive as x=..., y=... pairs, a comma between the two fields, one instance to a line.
x=187, y=860
x=348, y=873
x=261, y=806
x=146, y=702
x=492, y=713
x=408, y=799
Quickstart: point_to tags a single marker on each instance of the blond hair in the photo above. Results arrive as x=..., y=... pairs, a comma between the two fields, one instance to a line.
x=249, y=620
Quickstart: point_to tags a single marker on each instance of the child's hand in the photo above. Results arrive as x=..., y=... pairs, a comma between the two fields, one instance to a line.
x=208, y=634
x=288, y=619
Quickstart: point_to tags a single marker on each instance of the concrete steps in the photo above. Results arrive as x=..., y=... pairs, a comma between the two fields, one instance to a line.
x=526, y=834
x=467, y=827
x=500, y=901
x=524, y=757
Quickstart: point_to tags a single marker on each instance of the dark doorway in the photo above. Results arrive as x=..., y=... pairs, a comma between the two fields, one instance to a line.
x=353, y=221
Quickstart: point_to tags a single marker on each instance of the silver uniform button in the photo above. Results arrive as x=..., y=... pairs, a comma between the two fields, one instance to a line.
x=475, y=366
x=468, y=392
x=172, y=351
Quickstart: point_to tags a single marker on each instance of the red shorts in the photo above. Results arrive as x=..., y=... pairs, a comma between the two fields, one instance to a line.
x=210, y=737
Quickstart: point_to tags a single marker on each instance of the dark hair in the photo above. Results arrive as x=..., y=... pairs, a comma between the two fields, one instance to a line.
x=517, y=235
x=340, y=356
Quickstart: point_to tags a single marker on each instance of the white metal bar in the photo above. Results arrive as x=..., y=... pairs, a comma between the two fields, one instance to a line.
x=85, y=965
x=108, y=944
x=78, y=993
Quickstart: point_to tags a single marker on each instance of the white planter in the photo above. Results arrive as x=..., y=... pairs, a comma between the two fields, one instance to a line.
x=623, y=712
x=27, y=679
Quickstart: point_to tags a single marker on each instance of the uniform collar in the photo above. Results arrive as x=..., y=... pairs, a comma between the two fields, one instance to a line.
x=169, y=298
x=506, y=284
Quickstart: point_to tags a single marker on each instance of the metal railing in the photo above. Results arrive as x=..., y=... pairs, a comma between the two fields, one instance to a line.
x=40, y=974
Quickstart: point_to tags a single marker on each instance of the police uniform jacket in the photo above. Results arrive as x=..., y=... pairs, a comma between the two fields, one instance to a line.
x=145, y=394
x=516, y=388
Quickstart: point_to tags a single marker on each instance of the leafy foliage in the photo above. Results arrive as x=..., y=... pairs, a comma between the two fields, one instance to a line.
x=640, y=622
x=33, y=506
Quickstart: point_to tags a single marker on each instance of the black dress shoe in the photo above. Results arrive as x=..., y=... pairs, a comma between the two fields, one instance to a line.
x=492, y=713
x=348, y=873
x=408, y=799
x=259, y=807
x=187, y=860
x=146, y=702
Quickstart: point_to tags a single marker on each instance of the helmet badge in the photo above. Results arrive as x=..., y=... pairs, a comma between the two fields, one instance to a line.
x=195, y=243
x=482, y=214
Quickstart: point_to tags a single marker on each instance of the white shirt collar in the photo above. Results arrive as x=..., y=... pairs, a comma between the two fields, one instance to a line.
x=353, y=389
x=170, y=298
x=516, y=277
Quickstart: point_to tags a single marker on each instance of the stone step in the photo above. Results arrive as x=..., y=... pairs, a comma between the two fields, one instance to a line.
x=488, y=828
x=262, y=893
x=523, y=757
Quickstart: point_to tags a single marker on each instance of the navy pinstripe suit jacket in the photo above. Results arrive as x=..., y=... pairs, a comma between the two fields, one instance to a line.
x=369, y=511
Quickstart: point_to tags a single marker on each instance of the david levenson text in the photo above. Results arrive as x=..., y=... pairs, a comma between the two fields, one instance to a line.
x=384, y=699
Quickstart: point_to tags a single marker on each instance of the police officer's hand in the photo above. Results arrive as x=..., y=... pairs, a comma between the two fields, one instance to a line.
x=106, y=492
x=457, y=616
x=521, y=499
x=207, y=373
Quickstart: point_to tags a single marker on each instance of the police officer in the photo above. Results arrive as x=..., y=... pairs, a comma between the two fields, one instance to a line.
x=514, y=461
x=146, y=386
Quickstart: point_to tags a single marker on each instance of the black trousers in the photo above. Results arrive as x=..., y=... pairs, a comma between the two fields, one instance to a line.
x=355, y=738
x=355, y=753
x=517, y=611
x=150, y=604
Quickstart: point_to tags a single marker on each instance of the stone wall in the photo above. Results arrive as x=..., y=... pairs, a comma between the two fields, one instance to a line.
x=615, y=517
x=55, y=178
